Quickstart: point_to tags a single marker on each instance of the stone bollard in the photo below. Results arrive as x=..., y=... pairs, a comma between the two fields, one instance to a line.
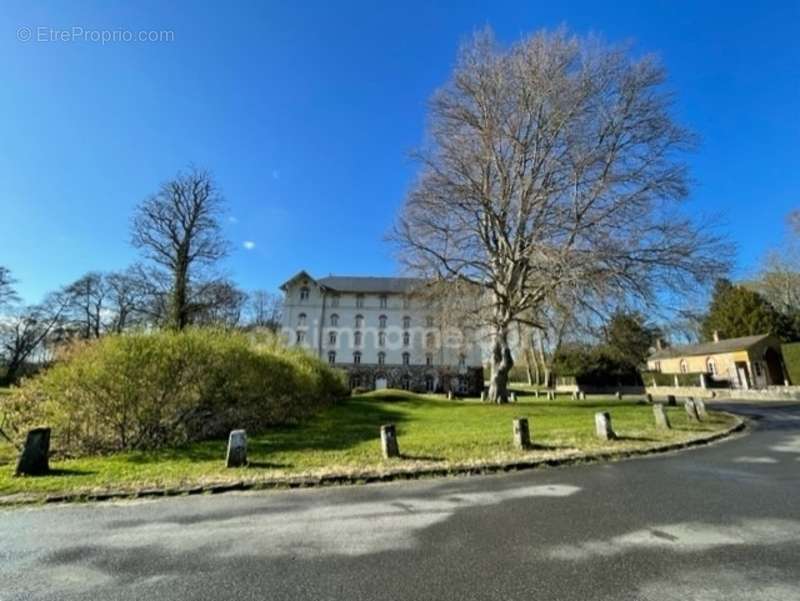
x=389, y=442
x=483, y=396
x=512, y=397
x=237, y=449
x=602, y=426
x=671, y=400
x=691, y=410
x=700, y=405
x=648, y=398
x=536, y=393
x=551, y=395
x=35, y=457
x=575, y=395
x=618, y=395
x=662, y=421
x=581, y=396
x=449, y=395
x=522, y=434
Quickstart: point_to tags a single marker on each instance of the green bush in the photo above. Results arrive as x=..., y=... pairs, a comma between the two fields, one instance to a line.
x=151, y=390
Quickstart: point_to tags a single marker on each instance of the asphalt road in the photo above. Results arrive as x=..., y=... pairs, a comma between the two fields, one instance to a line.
x=721, y=522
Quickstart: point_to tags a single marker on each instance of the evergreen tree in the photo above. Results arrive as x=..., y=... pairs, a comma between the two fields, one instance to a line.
x=736, y=311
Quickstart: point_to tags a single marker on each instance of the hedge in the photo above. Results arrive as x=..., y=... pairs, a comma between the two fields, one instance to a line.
x=151, y=390
x=791, y=358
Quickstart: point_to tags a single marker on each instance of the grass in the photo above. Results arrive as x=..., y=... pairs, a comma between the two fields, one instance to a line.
x=344, y=439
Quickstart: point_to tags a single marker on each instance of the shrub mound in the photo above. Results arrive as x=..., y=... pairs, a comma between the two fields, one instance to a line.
x=151, y=390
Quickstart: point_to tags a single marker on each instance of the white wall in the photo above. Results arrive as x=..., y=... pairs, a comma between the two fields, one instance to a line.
x=318, y=310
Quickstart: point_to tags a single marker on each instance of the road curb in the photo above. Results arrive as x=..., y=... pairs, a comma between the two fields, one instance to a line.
x=368, y=477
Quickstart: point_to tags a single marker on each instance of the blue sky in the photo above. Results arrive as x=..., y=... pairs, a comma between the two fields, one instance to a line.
x=306, y=112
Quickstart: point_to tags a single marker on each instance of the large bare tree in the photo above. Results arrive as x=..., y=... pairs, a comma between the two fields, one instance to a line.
x=8, y=293
x=87, y=310
x=179, y=229
x=553, y=164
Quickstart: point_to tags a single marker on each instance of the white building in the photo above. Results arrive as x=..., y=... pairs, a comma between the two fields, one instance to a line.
x=381, y=333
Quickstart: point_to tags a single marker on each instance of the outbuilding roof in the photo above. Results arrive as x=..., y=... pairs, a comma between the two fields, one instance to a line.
x=730, y=345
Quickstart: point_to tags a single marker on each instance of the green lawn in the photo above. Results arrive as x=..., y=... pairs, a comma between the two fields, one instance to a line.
x=344, y=438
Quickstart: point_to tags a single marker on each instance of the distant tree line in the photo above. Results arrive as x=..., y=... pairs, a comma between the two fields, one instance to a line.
x=178, y=284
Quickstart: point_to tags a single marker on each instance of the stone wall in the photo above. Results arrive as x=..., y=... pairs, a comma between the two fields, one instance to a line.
x=417, y=378
x=771, y=393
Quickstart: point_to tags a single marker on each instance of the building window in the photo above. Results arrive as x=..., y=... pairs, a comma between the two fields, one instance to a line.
x=405, y=382
x=334, y=320
x=406, y=338
x=359, y=300
x=381, y=338
x=406, y=322
x=430, y=340
x=357, y=358
x=757, y=368
x=332, y=357
x=301, y=319
x=684, y=367
x=406, y=302
x=301, y=336
x=382, y=321
x=428, y=359
x=359, y=321
x=384, y=301
x=334, y=300
x=357, y=338
x=657, y=366
x=711, y=366
x=429, y=321
x=332, y=338
x=406, y=359
x=462, y=361
x=304, y=293
x=381, y=358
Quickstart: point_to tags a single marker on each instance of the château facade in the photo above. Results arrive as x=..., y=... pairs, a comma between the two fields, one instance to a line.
x=381, y=333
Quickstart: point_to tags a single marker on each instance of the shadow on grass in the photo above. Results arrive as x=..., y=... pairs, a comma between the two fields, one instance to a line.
x=421, y=457
x=59, y=472
x=340, y=427
x=635, y=439
x=266, y=465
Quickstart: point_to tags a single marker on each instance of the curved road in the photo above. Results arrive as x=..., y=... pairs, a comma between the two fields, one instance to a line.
x=721, y=522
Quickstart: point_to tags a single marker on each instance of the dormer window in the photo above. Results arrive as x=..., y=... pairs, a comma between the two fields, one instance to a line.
x=334, y=320
x=304, y=292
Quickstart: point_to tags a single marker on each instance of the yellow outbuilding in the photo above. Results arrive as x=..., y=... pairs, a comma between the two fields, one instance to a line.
x=748, y=362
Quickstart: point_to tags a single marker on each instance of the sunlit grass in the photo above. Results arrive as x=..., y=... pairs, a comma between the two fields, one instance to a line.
x=345, y=438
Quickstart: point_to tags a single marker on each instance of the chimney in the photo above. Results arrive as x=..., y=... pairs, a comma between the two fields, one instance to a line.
x=716, y=335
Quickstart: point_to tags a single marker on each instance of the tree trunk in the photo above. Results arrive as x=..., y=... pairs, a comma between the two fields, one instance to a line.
x=545, y=365
x=529, y=368
x=502, y=362
x=179, y=317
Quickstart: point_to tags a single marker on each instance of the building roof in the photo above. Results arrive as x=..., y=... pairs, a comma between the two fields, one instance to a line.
x=731, y=345
x=368, y=284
